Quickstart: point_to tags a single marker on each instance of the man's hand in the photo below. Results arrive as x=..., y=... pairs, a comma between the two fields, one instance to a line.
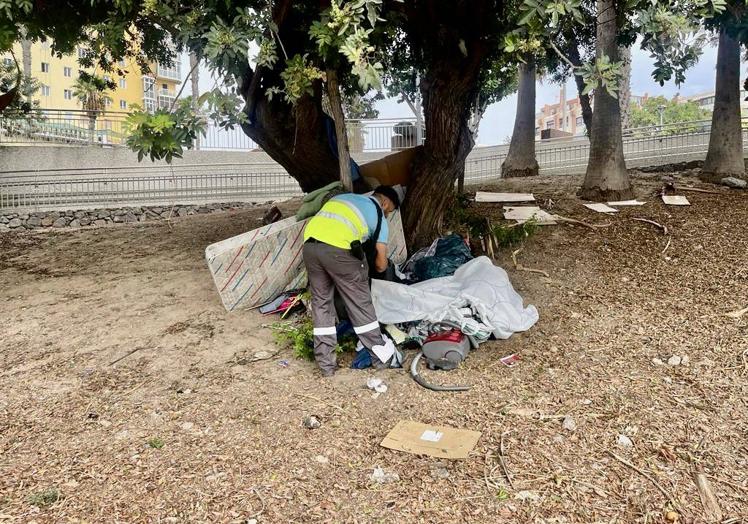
x=380, y=262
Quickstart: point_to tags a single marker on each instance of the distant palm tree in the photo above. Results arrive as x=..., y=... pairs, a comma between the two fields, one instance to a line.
x=89, y=90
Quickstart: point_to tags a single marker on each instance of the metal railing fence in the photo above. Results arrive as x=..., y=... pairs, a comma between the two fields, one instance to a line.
x=262, y=180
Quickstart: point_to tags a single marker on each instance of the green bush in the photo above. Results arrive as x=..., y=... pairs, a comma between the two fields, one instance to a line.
x=299, y=336
x=508, y=236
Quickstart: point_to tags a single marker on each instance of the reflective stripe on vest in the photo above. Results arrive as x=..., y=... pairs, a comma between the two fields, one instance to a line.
x=338, y=224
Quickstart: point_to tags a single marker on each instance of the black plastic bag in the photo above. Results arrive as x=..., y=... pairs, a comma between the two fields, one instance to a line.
x=451, y=252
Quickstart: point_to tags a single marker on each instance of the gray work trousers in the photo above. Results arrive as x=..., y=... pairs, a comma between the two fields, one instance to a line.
x=328, y=268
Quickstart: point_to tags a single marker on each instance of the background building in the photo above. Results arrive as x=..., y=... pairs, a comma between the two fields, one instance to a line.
x=56, y=77
x=552, y=116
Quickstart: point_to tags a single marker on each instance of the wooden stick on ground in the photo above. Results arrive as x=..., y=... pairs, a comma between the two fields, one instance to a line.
x=310, y=397
x=579, y=222
x=646, y=476
x=648, y=221
x=520, y=267
x=738, y=313
x=708, y=499
x=503, y=464
x=699, y=190
x=123, y=357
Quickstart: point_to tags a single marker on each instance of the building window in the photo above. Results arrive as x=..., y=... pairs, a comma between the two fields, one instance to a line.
x=68, y=94
x=149, y=105
x=107, y=101
x=580, y=121
x=45, y=90
x=45, y=45
x=45, y=67
x=82, y=52
x=122, y=83
x=122, y=104
x=67, y=71
x=551, y=124
x=8, y=62
x=165, y=87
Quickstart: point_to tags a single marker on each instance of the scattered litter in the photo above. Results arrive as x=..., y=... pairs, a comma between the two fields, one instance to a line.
x=730, y=181
x=381, y=476
x=675, y=200
x=284, y=363
x=483, y=196
x=672, y=516
x=376, y=384
x=271, y=216
x=510, y=360
x=440, y=472
x=524, y=495
x=569, y=424
x=675, y=360
x=627, y=203
x=524, y=213
x=434, y=441
x=658, y=362
x=397, y=336
x=321, y=459
x=311, y=422
x=601, y=208
x=624, y=441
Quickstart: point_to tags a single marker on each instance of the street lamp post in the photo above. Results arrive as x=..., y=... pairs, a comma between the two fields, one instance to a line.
x=661, y=110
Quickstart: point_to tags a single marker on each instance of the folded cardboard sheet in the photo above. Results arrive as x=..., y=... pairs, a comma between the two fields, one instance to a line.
x=253, y=268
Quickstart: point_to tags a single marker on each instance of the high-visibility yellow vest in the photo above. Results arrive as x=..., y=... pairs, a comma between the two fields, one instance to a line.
x=338, y=224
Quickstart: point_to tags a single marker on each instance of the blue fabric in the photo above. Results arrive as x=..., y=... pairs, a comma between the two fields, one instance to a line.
x=362, y=360
x=333, y=141
x=344, y=328
x=366, y=206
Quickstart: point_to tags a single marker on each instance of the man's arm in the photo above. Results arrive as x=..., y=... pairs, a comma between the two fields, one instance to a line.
x=380, y=262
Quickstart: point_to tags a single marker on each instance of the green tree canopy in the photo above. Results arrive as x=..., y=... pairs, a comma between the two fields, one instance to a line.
x=674, y=111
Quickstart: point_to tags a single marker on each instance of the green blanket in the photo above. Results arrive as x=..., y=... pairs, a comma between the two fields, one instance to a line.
x=313, y=201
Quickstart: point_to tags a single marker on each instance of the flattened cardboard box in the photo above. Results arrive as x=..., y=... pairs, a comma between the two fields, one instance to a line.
x=434, y=441
x=253, y=268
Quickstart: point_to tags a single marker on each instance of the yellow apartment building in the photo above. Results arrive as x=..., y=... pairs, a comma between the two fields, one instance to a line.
x=56, y=77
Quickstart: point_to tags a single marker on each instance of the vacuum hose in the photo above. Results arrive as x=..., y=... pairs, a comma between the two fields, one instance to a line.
x=421, y=381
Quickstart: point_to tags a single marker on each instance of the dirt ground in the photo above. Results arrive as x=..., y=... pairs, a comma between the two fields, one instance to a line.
x=189, y=429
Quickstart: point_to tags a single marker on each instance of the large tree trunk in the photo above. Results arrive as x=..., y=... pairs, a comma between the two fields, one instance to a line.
x=606, y=177
x=336, y=107
x=293, y=136
x=442, y=159
x=624, y=90
x=584, y=99
x=521, y=161
x=451, y=40
x=725, y=155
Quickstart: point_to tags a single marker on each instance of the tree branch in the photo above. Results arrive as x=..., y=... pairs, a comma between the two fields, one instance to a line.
x=184, y=84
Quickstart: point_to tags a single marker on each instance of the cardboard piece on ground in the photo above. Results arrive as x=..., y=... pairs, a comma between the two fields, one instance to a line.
x=675, y=200
x=392, y=169
x=626, y=203
x=524, y=213
x=434, y=441
x=253, y=268
x=601, y=208
x=483, y=196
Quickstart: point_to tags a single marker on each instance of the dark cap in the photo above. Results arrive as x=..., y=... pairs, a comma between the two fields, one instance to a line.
x=390, y=193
